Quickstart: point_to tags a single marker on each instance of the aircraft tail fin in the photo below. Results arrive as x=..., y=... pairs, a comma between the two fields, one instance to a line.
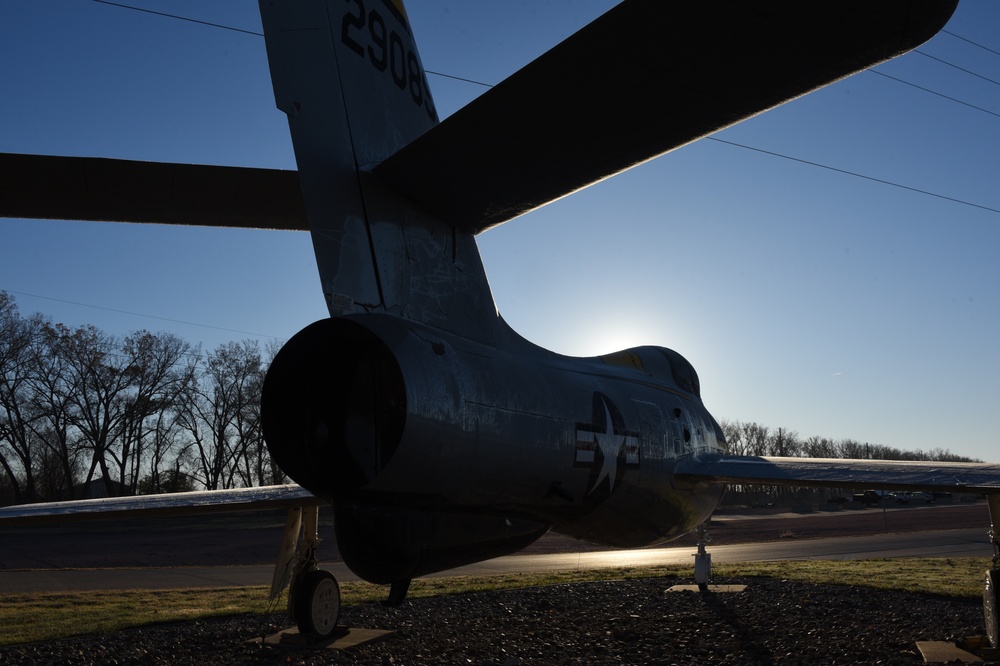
x=348, y=76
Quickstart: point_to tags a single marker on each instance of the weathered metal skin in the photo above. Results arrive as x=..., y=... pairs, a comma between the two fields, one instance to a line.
x=408, y=428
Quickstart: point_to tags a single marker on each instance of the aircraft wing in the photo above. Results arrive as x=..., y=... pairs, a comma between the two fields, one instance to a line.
x=109, y=190
x=204, y=501
x=645, y=78
x=981, y=478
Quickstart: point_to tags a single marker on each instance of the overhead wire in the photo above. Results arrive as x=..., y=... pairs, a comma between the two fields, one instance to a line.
x=179, y=17
x=969, y=41
x=934, y=92
x=855, y=174
x=954, y=66
x=140, y=314
x=253, y=33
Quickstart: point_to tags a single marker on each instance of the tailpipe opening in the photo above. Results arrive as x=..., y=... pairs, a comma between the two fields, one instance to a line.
x=333, y=407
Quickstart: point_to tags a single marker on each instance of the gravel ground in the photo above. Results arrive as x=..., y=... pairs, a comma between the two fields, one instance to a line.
x=626, y=622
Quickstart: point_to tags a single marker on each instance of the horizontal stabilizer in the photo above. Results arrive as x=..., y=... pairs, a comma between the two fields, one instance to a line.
x=108, y=190
x=645, y=78
x=841, y=473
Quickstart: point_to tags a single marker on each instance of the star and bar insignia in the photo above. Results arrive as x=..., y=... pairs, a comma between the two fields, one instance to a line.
x=606, y=447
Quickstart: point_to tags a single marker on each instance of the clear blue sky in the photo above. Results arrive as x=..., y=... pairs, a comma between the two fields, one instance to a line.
x=820, y=302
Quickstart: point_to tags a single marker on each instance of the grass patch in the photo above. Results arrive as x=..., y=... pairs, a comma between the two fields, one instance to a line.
x=950, y=577
x=44, y=617
x=28, y=618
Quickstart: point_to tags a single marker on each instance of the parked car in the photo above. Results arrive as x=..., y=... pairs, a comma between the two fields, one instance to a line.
x=914, y=498
x=872, y=496
x=838, y=499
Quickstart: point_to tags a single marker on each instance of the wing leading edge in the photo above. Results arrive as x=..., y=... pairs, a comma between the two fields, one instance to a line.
x=983, y=478
x=176, y=504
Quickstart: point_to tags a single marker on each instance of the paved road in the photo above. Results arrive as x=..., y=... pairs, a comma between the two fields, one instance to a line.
x=948, y=543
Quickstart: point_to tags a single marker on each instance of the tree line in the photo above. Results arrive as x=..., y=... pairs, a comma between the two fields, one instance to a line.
x=84, y=413
x=754, y=439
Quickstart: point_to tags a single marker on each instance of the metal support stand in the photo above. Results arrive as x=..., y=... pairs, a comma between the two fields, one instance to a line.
x=991, y=609
x=703, y=559
x=305, y=554
x=994, y=504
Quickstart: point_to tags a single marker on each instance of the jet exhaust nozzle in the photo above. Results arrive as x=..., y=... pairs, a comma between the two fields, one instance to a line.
x=333, y=407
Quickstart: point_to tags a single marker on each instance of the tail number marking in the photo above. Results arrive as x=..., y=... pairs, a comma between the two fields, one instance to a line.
x=385, y=50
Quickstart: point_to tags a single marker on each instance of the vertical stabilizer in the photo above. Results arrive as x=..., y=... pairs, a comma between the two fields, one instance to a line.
x=347, y=74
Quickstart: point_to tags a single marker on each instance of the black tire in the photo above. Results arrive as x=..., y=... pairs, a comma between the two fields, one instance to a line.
x=317, y=604
x=991, y=613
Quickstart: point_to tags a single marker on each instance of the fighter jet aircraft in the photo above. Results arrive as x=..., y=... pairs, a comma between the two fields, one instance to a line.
x=440, y=436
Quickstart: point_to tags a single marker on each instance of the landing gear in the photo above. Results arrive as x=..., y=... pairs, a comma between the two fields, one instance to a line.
x=317, y=604
x=703, y=559
x=314, y=596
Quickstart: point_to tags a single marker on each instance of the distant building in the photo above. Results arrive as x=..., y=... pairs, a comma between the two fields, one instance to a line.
x=96, y=489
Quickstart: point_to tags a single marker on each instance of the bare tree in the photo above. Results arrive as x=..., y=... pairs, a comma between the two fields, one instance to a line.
x=247, y=372
x=166, y=449
x=156, y=377
x=18, y=337
x=819, y=447
x=222, y=415
x=849, y=448
x=733, y=431
x=97, y=381
x=52, y=397
x=783, y=443
x=755, y=437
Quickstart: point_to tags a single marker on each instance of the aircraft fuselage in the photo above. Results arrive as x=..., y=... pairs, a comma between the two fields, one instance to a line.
x=401, y=425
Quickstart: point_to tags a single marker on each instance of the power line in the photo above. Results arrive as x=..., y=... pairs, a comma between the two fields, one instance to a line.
x=139, y=314
x=258, y=34
x=179, y=18
x=934, y=92
x=855, y=174
x=462, y=79
x=969, y=41
x=490, y=85
x=954, y=66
